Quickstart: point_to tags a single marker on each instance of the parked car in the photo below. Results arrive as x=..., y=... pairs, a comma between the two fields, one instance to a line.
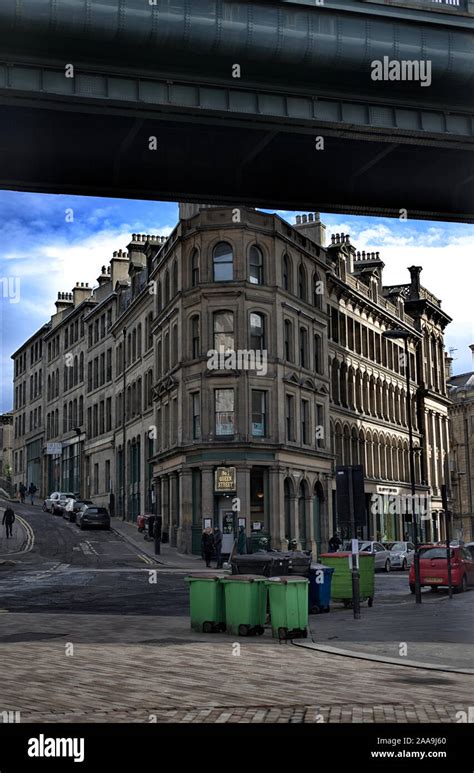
x=93, y=517
x=434, y=568
x=470, y=546
x=381, y=555
x=401, y=554
x=73, y=507
x=52, y=503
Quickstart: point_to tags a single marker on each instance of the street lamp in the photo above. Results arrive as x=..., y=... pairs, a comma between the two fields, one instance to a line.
x=78, y=431
x=405, y=335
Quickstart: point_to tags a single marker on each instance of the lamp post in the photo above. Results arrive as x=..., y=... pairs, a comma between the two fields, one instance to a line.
x=405, y=335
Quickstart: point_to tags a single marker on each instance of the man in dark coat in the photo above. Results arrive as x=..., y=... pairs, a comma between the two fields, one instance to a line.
x=8, y=519
x=218, y=547
x=207, y=546
x=334, y=543
x=22, y=490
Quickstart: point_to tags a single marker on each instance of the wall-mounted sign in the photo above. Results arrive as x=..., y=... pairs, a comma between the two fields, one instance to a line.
x=54, y=448
x=393, y=490
x=256, y=526
x=242, y=522
x=208, y=523
x=224, y=479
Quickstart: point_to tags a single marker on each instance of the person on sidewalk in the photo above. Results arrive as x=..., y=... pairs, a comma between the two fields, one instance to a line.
x=31, y=492
x=218, y=547
x=207, y=546
x=22, y=490
x=334, y=543
x=8, y=520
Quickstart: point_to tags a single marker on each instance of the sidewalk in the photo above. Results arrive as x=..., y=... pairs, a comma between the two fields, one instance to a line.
x=169, y=557
x=12, y=544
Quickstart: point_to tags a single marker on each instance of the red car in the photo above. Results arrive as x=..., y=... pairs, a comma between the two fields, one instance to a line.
x=434, y=568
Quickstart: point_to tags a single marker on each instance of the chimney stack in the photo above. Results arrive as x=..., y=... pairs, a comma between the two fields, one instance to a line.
x=80, y=292
x=310, y=225
x=415, y=272
x=471, y=347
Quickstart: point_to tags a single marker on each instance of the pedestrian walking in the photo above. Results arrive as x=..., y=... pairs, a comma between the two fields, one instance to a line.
x=7, y=521
x=241, y=541
x=31, y=492
x=207, y=546
x=218, y=547
x=22, y=490
x=334, y=543
x=157, y=529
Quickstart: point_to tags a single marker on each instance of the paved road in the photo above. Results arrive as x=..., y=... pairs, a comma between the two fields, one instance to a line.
x=89, y=638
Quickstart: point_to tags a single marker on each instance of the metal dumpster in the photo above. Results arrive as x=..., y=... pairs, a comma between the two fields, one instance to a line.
x=341, y=586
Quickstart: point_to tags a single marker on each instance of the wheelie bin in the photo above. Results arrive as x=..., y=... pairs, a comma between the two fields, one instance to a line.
x=265, y=564
x=341, y=586
x=206, y=601
x=319, y=597
x=288, y=606
x=245, y=604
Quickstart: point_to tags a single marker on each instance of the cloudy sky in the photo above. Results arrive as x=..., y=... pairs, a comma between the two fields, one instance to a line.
x=43, y=253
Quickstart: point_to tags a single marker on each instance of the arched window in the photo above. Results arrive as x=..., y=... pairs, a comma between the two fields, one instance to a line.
x=81, y=412
x=195, y=337
x=159, y=362
x=302, y=289
x=255, y=266
x=175, y=279
x=166, y=353
x=257, y=332
x=81, y=367
x=223, y=263
x=304, y=347
x=76, y=370
x=288, y=328
x=338, y=444
x=174, y=345
x=318, y=354
x=223, y=331
x=134, y=345
x=167, y=287
x=194, y=268
x=159, y=297
x=287, y=283
x=139, y=340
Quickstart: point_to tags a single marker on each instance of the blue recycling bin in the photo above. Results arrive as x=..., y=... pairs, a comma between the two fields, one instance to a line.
x=319, y=597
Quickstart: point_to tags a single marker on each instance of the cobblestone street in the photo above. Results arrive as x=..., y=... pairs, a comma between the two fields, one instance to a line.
x=88, y=638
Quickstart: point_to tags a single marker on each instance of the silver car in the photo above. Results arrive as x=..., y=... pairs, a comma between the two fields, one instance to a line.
x=401, y=554
x=381, y=555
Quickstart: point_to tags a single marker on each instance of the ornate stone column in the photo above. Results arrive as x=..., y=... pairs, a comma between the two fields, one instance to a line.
x=184, y=534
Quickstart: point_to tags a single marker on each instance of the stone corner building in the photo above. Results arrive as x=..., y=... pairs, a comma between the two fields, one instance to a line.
x=461, y=391
x=118, y=396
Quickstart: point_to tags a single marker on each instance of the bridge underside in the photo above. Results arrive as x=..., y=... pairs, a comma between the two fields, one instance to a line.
x=326, y=166
x=90, y=135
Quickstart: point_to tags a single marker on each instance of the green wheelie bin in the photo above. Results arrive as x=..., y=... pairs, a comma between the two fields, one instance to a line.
x=206, y=601
x=341, y=586
x=245, y=604
x=288, y=606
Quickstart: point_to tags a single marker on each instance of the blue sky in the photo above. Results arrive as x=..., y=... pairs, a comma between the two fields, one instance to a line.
x=43, y=253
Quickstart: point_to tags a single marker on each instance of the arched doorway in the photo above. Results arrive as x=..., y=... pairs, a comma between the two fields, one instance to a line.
x=288, y=494
x=302, y=499
x=318, y=507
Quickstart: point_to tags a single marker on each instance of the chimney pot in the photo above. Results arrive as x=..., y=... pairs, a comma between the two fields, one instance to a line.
x=310, y=217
